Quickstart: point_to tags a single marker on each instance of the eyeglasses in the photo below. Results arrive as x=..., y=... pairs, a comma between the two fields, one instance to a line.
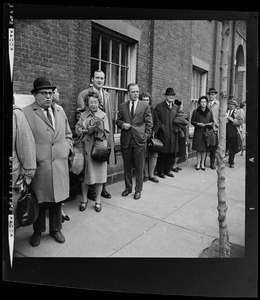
x=45, y=94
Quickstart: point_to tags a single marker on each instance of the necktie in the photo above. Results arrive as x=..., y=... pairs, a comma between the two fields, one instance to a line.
x=49, y=115
x=101, y=106
x=132, y=109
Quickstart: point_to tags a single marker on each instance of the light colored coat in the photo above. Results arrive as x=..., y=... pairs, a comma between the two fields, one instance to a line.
x=94, y=171
x=24, y=156
x=108, y=110
x=51, y=180
x=215, y=111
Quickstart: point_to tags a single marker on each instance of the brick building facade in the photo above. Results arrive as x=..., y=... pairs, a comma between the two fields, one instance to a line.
x=183, y=54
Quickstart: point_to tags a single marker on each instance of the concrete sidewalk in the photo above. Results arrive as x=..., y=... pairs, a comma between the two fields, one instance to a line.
x=176, y=217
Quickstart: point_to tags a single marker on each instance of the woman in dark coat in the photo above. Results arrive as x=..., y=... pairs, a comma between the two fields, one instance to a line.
x=201, y=117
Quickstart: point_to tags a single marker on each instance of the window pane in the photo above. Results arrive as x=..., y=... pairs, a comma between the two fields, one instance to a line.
x=124, y=55
x=105, y=48
x=114, y=76
x=94, y=66
x=115, y=52
x=123, y=78
x=121, y=97
x=95, y=45
x=105, y=69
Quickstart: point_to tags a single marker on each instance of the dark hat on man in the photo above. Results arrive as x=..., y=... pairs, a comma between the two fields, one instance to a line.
x=42, y=83
x=212, y=91
x=177, y=102
x=232, y=101
x=169, y=92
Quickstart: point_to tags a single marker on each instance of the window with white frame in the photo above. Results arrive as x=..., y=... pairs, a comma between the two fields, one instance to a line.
x=198, y=85
x=116, y=56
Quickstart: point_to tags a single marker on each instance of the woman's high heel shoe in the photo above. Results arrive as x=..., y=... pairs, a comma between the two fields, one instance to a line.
x=83, y=206
x=98, y=207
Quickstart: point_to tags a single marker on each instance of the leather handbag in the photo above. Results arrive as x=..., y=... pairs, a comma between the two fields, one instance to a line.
x=100, y=153
x=76, y=161
x=27, y=207
x=211, y=138
x=154, y=144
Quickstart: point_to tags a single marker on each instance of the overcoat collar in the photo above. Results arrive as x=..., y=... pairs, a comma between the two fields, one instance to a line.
x=38, y=110
x=100, y=114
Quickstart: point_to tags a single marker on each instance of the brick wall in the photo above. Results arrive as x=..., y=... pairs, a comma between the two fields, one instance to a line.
x=59, y=49
x=171, y=62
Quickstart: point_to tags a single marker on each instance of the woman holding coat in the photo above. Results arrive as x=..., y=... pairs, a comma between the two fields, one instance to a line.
x=92, y=127
x=201, y=117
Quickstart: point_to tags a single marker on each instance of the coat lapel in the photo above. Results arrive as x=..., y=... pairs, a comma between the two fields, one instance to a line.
x=40, y=113
x=128, y=109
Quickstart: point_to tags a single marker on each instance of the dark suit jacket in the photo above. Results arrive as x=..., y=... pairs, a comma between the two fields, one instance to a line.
x=166, y=132
x=142, y=123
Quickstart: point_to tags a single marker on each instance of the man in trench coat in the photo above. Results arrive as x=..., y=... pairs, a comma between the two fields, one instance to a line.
x=54, y=144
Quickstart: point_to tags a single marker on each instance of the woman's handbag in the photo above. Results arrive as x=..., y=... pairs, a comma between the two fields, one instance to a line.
x=211, y=138
x=27, y=207
x=154, y=144
x=100, y=153
x=76, y=161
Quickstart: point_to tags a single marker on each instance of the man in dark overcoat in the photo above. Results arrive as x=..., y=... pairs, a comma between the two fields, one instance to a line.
x=167, y=112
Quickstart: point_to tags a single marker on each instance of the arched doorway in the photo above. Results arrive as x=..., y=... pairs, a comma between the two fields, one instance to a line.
x=240, y=76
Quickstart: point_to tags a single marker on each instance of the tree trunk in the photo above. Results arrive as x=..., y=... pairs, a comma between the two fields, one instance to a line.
x=224, y=246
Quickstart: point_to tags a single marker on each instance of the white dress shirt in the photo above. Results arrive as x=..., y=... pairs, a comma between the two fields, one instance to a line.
x=135, y=104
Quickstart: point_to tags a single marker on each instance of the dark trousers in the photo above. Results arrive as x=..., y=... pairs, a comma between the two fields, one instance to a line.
x=231, y=145
x=164, y=162
x=55, y=223
x=135, y=154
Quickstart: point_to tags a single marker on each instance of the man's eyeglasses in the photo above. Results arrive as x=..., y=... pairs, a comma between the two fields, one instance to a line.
x=46, y=93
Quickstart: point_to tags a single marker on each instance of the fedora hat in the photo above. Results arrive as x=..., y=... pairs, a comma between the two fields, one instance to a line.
x=212, y=90
x=232, y=101
x=170, y=92
x=42, y=83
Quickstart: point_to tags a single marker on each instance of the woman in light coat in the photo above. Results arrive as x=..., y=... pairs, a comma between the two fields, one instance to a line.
x=92, y=126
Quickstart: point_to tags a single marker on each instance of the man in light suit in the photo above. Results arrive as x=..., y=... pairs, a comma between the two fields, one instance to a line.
x=135, y=119
x=98, y=81
x=53, y=141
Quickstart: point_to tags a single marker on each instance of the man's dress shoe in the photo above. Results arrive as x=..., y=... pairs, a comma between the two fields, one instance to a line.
x=137, y=195
x=126, y=192
x=169, y=174
x=58, y=236
x=105, y=194
x=35, y=239
x=161, y=175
